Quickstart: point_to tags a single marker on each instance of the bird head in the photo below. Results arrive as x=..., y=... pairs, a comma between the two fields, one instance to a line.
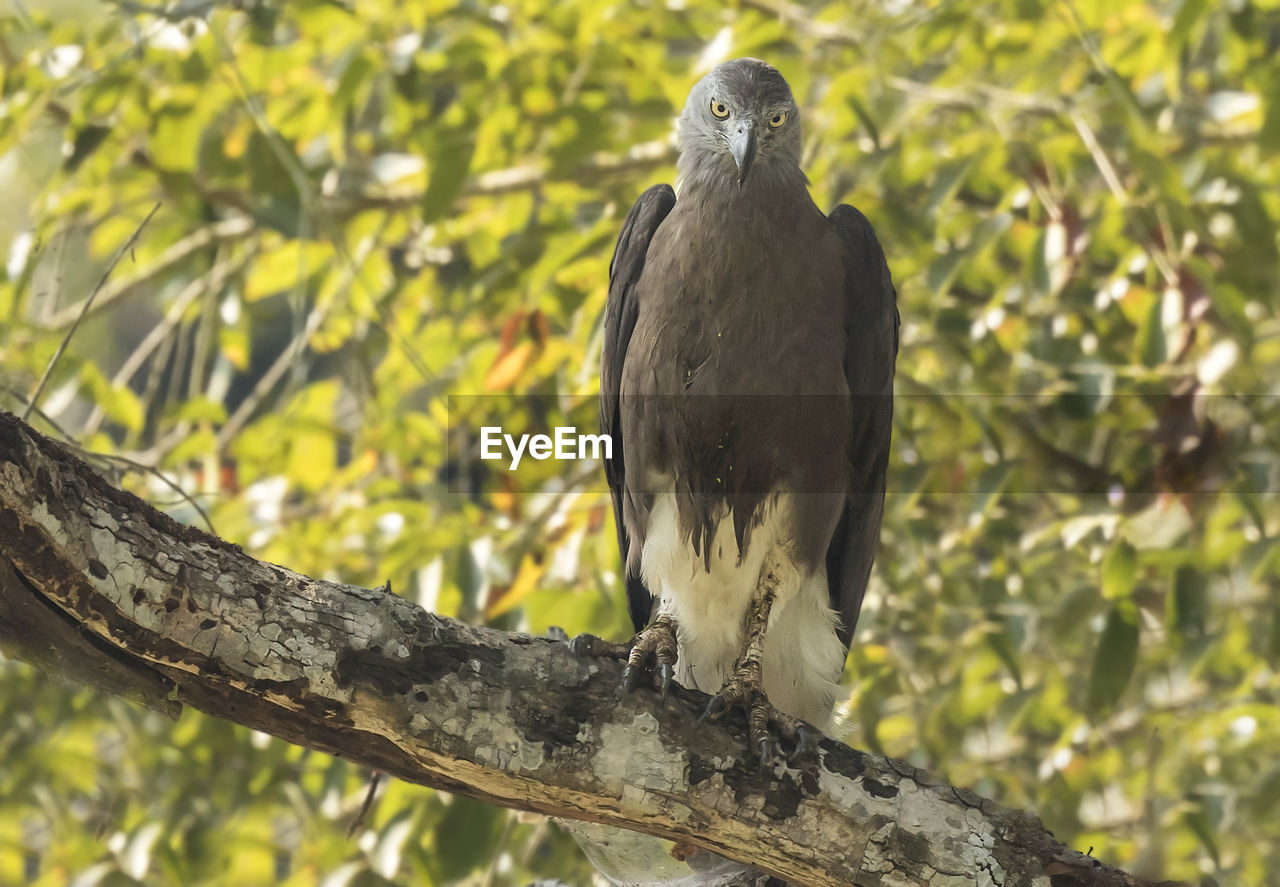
x=742, y=123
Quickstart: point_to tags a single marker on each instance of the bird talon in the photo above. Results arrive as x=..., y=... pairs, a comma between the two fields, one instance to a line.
x=715, y=708
x=652, y=652
x=666, y=673
x=806, y=747
x=631, y=677
x=767, y=726
x=770, y=752
x=581, y=645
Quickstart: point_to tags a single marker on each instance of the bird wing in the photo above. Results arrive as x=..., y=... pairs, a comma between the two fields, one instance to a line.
x=619, y=321
x=871, y=324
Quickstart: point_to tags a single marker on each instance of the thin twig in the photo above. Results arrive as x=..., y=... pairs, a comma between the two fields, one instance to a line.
x=355, y=273
x=211, y=281
x=977, y=95
x=285, y=360
x=598, y=168
x=301, y=183
x=1103, y=162
x=89, y=455
x=1100, y=158
x=155, y=472
x=1162, y=262
x=179, y=12
x=227, y=229
x=1038, y=187
x=798, y=18
x=86, y=305
x=41, y=414
x=206, y=326
x=358, y=821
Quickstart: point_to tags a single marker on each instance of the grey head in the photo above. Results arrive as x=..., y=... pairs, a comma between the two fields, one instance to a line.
x=740, y=128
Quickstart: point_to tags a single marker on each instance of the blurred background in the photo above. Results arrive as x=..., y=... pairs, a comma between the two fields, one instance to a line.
x=367, y=209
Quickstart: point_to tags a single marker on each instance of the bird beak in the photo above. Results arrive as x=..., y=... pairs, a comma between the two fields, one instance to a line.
x=742, y=144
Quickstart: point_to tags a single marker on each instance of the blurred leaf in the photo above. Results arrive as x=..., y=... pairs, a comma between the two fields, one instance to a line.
x=119, y=403
x=509, y=367
x=1114, y=658
x=1189, y=12
x=1119, y=569
x=1204, y=830
x=1003, y=647
x=1152, y=348
x=465, y=837
x=177, y=136
x=525, y=582
x=448, y=165
x=282, y=268
x=949, y=178
x=1266, y=798
x=1189, y=602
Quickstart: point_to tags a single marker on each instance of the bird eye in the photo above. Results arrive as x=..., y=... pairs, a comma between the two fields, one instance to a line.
x=719, y=110
x=777, y=120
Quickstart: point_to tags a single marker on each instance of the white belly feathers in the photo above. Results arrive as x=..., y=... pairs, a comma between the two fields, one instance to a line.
x=803, y=656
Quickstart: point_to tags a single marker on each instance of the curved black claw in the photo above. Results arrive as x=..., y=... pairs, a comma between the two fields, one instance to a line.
x=631, y=676
x=666, y=674
x=745, y=690
x=805, y=753
x=770, y=752
x=652, y=652
x=715, y=708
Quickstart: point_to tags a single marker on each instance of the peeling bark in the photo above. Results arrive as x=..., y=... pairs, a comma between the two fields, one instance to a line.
x=106, y=590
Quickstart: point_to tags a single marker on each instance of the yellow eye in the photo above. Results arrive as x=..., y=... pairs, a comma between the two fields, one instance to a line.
x=777, y=120
x=719, y=109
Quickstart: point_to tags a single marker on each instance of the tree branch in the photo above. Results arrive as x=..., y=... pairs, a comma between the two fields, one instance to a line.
x=596, y=169
x=95, y=583
x=228, y=229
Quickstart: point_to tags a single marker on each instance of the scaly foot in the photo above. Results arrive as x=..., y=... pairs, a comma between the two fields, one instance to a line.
x=654, y=649
x=745, y=690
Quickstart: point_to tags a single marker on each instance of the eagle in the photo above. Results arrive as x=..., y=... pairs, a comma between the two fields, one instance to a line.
x=746, y=383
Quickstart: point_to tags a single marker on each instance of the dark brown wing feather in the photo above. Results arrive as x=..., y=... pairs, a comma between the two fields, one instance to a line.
x=619, y=321
x=872, y=328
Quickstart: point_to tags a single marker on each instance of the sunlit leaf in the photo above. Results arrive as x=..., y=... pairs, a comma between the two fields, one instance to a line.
x=1119, y=569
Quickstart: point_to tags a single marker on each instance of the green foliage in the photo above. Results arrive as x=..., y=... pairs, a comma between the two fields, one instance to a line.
x=1114, y=659
x=363, y=214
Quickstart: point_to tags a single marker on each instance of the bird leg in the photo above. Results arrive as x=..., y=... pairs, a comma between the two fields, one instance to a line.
x=654, y=646
x=745, y=687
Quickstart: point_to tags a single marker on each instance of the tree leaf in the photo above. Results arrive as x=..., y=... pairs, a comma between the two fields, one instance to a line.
x=1188, y=602
x=1119, y=569
x=1152, y=347
x=1113, y=659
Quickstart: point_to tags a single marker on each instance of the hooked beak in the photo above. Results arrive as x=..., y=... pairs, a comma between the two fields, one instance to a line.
x=742, y=144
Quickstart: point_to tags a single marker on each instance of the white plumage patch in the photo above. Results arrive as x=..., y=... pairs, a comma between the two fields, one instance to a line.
x=803, y=656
